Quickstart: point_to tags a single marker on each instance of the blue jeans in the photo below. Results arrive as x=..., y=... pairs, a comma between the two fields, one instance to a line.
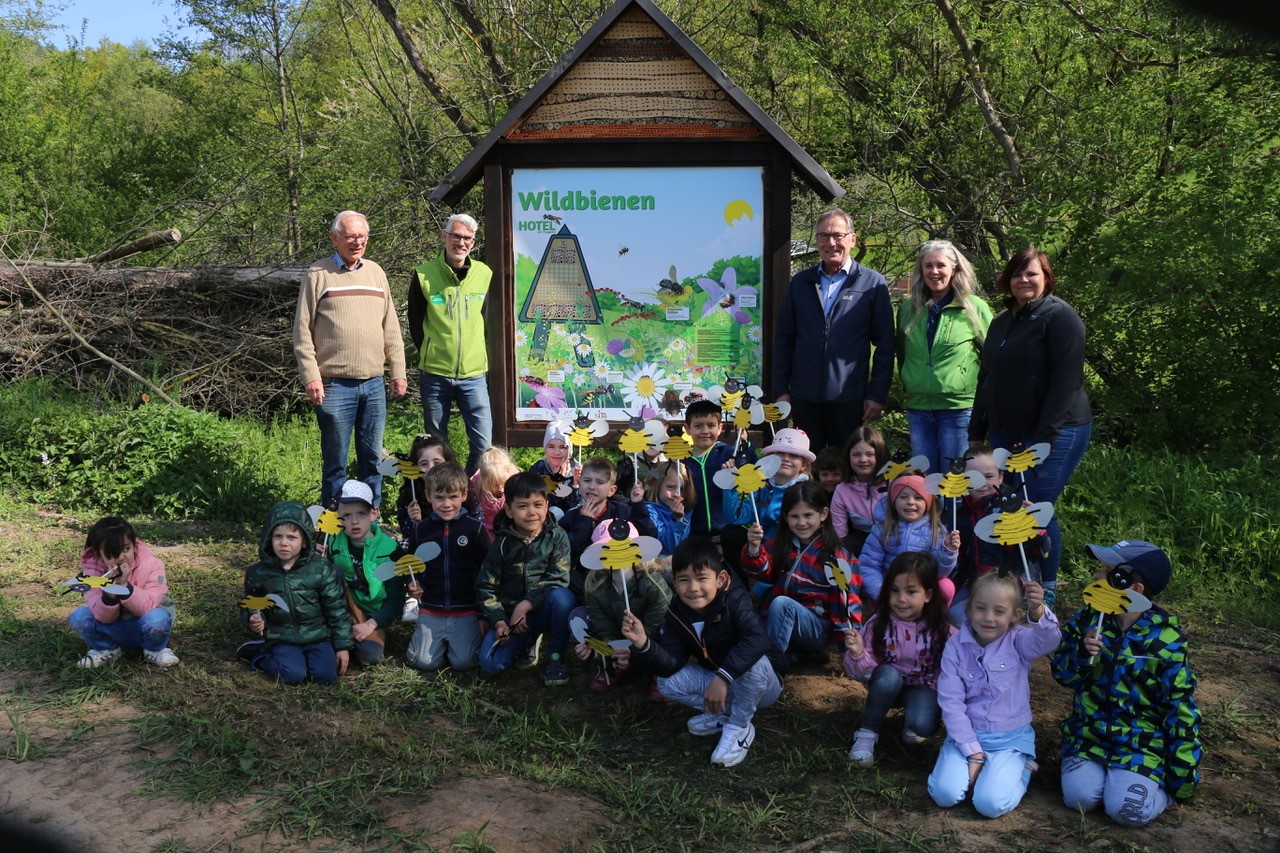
x=794, y=627
x=551, y=618
x=1000, y=786
x=939, y=435
x=149, y=632
x=290, y=664
x=887, y=689
x=351, y=404
x=1046, y=481
x=438, y=392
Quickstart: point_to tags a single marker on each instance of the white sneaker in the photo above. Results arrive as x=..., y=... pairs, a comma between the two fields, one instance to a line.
x=161, y=658
x=864, y=747
x=410, y=611
x=707, y=724
x=733, y=746
x=911, y=738
x=96, y=658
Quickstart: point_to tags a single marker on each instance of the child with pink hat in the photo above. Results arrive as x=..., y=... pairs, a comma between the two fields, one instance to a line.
x=912, y=522
x=791, y=446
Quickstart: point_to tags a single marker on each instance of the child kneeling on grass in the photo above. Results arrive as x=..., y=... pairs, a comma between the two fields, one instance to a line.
x=138, y=619
x=1131, y=743
x=312, y=639
x=523, y=586
x=357, y=552
x=734, y=670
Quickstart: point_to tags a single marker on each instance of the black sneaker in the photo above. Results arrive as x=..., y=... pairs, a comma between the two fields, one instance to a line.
x=251, y=650
x=557, y=672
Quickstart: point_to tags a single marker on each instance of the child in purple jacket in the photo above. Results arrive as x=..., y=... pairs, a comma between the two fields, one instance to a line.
x=985, y=695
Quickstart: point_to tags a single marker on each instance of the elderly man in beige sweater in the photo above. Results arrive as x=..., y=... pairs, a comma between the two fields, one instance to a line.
x=345, y=334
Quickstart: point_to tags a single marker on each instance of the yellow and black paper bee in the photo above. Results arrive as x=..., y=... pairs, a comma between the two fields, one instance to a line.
x=899, y=464
x=624, y=548
x=258, y=599
x=403, y=563
x=1011, y=523
x=954, y=484
x=678, y=445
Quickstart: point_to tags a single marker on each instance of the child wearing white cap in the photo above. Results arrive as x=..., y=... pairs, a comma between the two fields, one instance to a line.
x=558, y=468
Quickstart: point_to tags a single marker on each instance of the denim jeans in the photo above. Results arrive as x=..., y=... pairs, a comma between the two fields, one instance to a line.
x=290, y=664
x=758, y=687
x=351, y=404
x=794, y=627
x=550, y=618
x=149, y=632
x=887, y=689
x=1046, y=481
x=939, y=435
x=1000, y=786
x=438, y=392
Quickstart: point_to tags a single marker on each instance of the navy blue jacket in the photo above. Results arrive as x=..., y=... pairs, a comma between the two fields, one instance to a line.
x=449, y=582
x=733, y=637
x=707, y=517
x=827, y=359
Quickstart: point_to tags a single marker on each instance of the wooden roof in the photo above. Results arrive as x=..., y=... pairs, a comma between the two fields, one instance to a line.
x=635, y=75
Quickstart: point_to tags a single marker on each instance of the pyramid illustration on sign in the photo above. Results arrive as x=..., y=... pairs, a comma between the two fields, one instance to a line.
x=562, y=293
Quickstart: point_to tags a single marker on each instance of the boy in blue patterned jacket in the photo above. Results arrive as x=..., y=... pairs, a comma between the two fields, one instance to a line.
x=1131, y=742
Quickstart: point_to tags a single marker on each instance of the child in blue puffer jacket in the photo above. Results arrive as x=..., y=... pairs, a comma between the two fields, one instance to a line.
x=912, y=522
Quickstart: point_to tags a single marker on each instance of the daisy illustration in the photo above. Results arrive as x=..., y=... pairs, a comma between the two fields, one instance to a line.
x=755, y=334
x=644, y=386
x=725, y=294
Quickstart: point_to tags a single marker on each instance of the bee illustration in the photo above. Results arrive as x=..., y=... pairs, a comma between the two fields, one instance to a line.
x=84, y=583
x=393, y=466
x=671, y=291
x=591, y=395
x=677, y=445
x=750, y=478
x=582, y=431
x=954, y=484
x=776, y=413
x=258, y=600
x=839, y=574
x=403, y=563
x=578, y=627
x=624, y=549
x=623, y=250
x=551, y=217
x=1107, y=596
x=326, y=521
x=671, y=402
x=1010, y=523
x=630, y=303
x=1019, y=459
x=639, y=436
x=899, y=464
x=730, y=394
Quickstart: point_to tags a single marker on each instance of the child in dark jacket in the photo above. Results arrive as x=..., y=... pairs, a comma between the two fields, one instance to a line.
x=1131, y=743
x=448, y=623
x=733, y=671
x=598, y=486
x=312, y=639
x=523, y=585
x=645, y=591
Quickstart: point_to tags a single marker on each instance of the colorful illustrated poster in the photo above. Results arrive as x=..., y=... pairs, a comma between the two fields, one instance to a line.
x=636, y=289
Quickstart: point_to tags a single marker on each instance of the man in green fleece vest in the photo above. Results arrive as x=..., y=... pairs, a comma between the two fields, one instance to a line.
x=446, y=320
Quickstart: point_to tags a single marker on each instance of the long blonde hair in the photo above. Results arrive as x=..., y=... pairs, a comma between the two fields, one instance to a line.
x=495, y=467
x=964, y=284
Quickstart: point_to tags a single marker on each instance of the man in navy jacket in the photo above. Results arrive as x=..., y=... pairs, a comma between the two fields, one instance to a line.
x=831, y=317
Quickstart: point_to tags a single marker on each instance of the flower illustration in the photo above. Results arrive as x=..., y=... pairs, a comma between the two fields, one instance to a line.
x=601, y=371
x=756, y=334
x=644, y=386
x=726, y=294
x=521, y=338
x=617, y=345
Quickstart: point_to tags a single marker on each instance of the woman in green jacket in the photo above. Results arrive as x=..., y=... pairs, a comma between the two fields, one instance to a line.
x=941, y=328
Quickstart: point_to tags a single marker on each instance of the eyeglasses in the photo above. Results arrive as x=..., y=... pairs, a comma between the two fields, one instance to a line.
x=355, y=239
x=832, y=236
x=461, y=238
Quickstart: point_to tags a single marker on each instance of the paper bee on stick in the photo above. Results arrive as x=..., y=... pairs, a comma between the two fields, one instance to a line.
x=579, y=627
x=1011, y=523
x=326, y=521
x=404, y=563
x=1113, y=594
x=954, y=484
x=399, y=466
x=729, y=395
x=839, y=574
x=582, y=431
x=84, y=583
x=676, y=443
x=639, y=436
x=748, y=479
x=617, y=545
x=258, y=599
x=1019, y=459
x=899, y=464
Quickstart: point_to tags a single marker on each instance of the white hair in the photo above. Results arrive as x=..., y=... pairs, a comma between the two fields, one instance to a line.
x=336, y=228
x=834, y=213
x=465, y=219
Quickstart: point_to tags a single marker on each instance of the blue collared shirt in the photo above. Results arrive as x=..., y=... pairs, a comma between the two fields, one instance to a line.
x=829, y=285
x=342, y=265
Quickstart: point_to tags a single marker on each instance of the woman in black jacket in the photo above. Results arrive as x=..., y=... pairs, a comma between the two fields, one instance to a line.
x=1031, y=386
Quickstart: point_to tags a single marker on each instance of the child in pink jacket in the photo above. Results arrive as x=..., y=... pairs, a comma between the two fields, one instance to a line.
x=134, y=611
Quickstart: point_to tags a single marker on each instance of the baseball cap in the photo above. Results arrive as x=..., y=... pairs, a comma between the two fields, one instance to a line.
x=1146, y=559
x=354, y=491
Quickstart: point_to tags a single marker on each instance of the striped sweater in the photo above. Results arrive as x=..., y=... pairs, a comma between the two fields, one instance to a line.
x=346, y=325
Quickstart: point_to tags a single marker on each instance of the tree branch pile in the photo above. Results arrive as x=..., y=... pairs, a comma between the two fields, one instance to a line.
x=219, y=340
